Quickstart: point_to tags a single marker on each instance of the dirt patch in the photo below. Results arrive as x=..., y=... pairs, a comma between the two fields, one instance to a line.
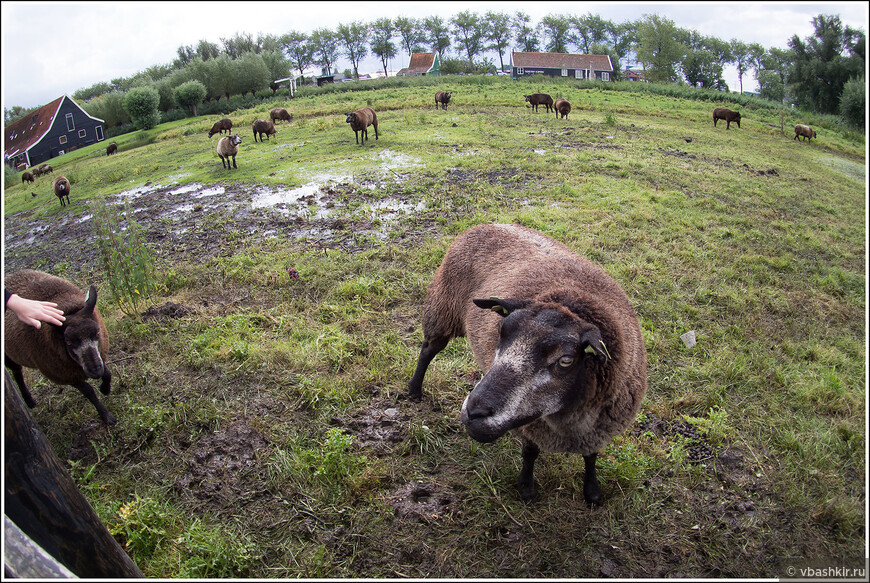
x=218, y=465
x=168, y=311
x=422, y=501
x=82, y=446
x=683, y=432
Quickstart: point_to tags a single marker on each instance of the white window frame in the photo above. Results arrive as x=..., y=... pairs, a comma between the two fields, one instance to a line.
x=99, y=132
x=605, y=76
x=578, y=74
x=70, y=122
x=83, y=133
x=564, y=72
x=62, y=139
x=519, y=70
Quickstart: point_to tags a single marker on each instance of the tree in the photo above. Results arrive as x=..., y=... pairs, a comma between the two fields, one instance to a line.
x=298, y=50
x=525, y=36
x=498, y=33
x=435, y=32
x=207, y=50
x=701, y=66
x=109, y=107
x=382, y=31
x=238, y=45
x=824, y=63
x=324, y=45
x=411, y=33
x=250, y=74
x=555, y=30
x=742, y=58
x=167, y=96
x=16, y=112
x=141, y=104
x=353, y=37
x=190, y=95
x=185, y=55
x=853, y=103
x=222, y=77
x=468, y=31
x=586, y=31
x=776, y=67
x=658, y=48
x=278, y=66
x=620, y=37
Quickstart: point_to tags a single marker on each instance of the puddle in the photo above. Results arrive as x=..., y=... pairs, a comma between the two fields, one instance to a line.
x=541, y=152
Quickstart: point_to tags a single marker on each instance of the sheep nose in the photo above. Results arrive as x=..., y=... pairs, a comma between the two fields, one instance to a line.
x=476, y=408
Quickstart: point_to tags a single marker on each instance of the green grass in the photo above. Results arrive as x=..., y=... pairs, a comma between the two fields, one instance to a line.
x=753, y=240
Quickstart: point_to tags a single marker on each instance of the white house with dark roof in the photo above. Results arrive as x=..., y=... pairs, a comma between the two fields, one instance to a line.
x=579, y=67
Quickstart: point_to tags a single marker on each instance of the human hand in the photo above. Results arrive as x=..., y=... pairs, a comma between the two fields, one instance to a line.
x=34, y=312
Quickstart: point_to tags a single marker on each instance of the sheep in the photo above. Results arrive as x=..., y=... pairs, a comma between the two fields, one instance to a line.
x=27, y=176
x=68, y=354
x=442, y=97
x=224, y=125
x=113, y=149
x=46, y=169
x=360, y=120
x=279, y=113
x=805, y=131
x=727, y=115
x=560, y=344
x=537, y=99
x=264, y=126
x=562, y=107
x=228, y=147
x=61, y=188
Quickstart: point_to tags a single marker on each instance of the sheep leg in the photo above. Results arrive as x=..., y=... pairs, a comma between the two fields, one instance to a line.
x=427, y=352
x=88, y=391
x=18, y=375
x=526, y=482
x=234, y=163
x=106, y=384
x=376, y=131
x=591, y=487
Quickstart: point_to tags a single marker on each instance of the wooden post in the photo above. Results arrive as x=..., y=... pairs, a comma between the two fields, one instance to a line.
x=42, y=499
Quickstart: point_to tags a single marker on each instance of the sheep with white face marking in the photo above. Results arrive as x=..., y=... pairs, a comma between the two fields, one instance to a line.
x=560, y=344
x=61, y=187
x=804, y=131
x=228, y=147
x=68, y=354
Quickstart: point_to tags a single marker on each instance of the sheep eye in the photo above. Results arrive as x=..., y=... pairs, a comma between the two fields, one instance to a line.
x=566, y=361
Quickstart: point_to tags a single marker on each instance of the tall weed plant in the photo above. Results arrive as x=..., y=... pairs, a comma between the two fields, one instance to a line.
x=125, y=257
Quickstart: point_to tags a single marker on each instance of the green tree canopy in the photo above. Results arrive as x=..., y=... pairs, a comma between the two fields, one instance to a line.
x=324, y=46
x=298, y=50
x=436, y=33
x=556, y=29
x=190, y=95
x=141, y=105
x=382, y=31
x=658, y=48
x=468, y=33
x=353, y=37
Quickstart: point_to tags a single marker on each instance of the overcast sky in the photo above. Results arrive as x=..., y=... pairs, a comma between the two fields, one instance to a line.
x=56, y=48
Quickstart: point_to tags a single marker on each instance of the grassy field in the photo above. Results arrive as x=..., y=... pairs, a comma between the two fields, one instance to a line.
x=263, y=425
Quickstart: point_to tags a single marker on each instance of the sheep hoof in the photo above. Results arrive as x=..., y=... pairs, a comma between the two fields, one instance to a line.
x=528, y=492
x=592, y=494
x=109, y=419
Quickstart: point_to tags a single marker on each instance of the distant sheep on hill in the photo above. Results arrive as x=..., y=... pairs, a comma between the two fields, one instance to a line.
x=224, y=125
x=111, y=149
x=360, y=120
x=264, y=126
x=727, y=115
x=536, y=99
x=804, y=131
x=27, y=176
x=442, y=98
x=562, y=108
x=279, y=113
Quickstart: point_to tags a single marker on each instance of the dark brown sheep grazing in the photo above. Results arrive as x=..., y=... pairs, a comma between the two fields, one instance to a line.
x=537, y=99
x=562, y=108
x=727, y=115
x=279, y=113
x=228, y=147
x=61, y=188
x=442, y=98
x=111, y=149
x=46, y=169
x=560, y=345
x=360, y=120
x=68, y=354
x=264, y=126
x=804, y=131
x=27, y=177
x=224, y=125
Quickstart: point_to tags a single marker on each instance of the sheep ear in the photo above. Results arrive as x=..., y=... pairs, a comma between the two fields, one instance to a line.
x=502, y=307
x=592, y=343
x=90, y=300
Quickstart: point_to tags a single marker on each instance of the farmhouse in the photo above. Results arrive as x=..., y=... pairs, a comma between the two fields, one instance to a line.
x=51, y=130
x=632, y=75
x=561, y=65
x=422, y=64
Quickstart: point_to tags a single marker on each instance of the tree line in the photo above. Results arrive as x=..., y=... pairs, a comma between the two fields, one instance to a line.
x=817, y=73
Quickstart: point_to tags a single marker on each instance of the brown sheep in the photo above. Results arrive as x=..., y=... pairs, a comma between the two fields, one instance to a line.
x=224, y=125
x=443, y=98
x=279, y=113
x=228, y=147
x=27, y=177
x=113, y=149
x=805, y=131
x=61, y=188
x=727, y=115
x=560, y=344
x=562, y=107
x=537, y=99
x=68, y=354
x=46, y=169
x=264, y=126
x=360, y=120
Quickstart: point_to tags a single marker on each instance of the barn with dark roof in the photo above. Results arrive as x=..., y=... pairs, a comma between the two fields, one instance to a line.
x=51, y=130
x=562, y=65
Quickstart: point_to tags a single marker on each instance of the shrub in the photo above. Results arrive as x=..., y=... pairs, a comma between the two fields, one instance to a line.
x=190, y=95
x=853, y=102
x=141, y=104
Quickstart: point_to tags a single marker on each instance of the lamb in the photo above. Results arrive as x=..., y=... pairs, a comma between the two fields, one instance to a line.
x=27, y=177
x=279, y=113
x=727, y=115
x=113, y=149
x=360, y=120
x=228, y=147
x=61, y=188
x=264, y=126
x=560, y=344
x=68, y=354
x=805, y=131
x=537, y=99
x=442, y=97
x=224, y=125
x=562, y=107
